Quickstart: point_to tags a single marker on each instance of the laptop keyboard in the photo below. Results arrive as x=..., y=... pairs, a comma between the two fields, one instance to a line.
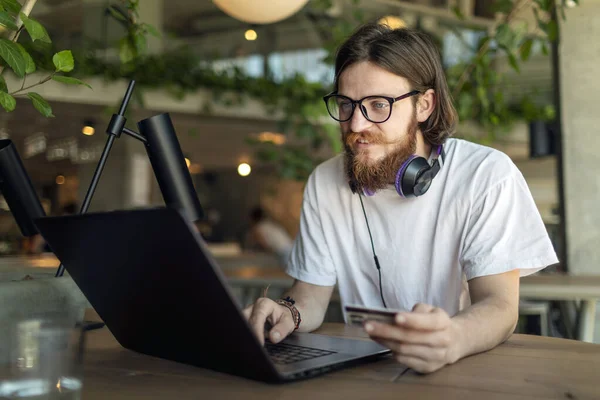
x=283, y=353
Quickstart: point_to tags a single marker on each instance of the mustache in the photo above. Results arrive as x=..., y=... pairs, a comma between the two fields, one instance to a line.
x=351, y=138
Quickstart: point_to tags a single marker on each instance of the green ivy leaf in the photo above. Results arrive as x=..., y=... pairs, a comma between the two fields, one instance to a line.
x=12, y=6
x=482, y=96
x=526, y=49
x=7, y=101
x=512, y=59
x=126, y=50
x=63, y=61
x=504, y=36
x=456, y=10
x=10, y=53
x=40, y=104
x=3, y=86
x=35, y=29
x=29, y=63
x=544, y=5
x=140, y=43
x=268, y=154
x=69, y=80
x=116, y=14
x=503, y=6
x=151, y=30
x=8, y=21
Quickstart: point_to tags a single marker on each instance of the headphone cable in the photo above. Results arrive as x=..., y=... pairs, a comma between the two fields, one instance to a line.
x=373, y=249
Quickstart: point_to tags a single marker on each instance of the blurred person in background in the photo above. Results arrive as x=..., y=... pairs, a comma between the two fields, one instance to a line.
x=267, y=235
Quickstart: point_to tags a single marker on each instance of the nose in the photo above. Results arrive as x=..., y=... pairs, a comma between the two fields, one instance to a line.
x=358, y=122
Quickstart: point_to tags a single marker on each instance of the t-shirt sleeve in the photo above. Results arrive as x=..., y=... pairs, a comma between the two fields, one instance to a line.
x=505, y=232
x=310, y=260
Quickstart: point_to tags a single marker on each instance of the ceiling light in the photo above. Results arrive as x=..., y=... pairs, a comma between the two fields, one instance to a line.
x=88, y=130
x=275, y=138
x=250, y=35
x=260, y=11
x=392, y=21
x=244, y=169
x=88, y=127
x=60, y=179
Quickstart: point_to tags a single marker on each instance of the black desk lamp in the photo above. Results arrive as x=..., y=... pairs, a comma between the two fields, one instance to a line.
x=166, y=157
x=18, y=190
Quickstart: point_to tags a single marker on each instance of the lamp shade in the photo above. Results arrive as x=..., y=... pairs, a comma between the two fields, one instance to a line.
x=18, y=190
x=260, y=11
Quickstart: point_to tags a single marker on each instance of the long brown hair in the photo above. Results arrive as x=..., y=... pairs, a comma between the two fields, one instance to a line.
x=408, y=53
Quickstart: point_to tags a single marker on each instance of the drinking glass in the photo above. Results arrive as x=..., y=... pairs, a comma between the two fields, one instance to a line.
x=45, y=358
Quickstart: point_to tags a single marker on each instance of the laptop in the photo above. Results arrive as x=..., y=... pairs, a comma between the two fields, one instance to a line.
x=151, y=278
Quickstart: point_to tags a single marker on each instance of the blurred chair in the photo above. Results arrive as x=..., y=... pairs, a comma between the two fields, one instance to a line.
x=527, y=309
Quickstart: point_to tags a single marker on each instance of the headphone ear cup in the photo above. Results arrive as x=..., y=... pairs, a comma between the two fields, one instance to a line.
x=407, y=181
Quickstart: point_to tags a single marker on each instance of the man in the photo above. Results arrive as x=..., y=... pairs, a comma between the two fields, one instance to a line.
x=475, y=229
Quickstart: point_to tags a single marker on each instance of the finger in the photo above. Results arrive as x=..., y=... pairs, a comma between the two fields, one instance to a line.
x=422, y=308
x=419, y=364
x=284, y=326
x=390, y=344
x=247, y=312
x=435, y=319
x=262, y=309
x=396, y=333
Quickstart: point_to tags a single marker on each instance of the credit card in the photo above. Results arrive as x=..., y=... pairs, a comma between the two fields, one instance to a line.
x=357, y=315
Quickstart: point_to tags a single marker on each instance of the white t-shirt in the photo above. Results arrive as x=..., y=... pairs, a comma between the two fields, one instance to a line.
x=478, y=218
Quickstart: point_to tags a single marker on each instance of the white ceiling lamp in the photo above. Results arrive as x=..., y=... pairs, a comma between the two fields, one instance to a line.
x=392, y=21
x=260, y=11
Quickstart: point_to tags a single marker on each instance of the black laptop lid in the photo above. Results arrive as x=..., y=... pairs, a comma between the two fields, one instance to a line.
x=151, y=278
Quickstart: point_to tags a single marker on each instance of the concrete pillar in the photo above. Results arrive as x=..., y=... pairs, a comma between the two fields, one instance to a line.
x=579, y=57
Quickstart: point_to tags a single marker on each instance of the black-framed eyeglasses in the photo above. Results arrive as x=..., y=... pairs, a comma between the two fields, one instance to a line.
x=376, y=109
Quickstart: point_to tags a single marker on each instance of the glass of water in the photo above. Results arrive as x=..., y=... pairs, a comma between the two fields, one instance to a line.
x=45, y=359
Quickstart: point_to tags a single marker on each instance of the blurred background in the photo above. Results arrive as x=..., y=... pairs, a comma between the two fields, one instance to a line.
x=243, y=81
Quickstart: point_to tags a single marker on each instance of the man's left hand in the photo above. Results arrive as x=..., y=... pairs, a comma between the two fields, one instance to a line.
x=422, y=339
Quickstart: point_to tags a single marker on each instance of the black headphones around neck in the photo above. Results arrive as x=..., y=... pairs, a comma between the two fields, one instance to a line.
x=413, y=179
x=415, y=175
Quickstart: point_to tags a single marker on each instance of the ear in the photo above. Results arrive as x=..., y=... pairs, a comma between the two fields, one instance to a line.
x=426, y=105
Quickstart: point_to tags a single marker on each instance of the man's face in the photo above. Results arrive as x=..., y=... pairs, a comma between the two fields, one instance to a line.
x=375, y=151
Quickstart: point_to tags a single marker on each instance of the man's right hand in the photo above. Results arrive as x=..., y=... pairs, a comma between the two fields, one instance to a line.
x=266, y=310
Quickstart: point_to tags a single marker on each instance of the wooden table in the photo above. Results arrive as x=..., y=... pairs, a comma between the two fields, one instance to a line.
x=524, y=367
x=567, y=287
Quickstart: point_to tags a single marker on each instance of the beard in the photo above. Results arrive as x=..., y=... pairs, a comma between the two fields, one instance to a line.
x=376, y=175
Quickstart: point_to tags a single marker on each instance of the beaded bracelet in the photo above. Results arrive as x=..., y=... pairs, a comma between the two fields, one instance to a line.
x=289, y=303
